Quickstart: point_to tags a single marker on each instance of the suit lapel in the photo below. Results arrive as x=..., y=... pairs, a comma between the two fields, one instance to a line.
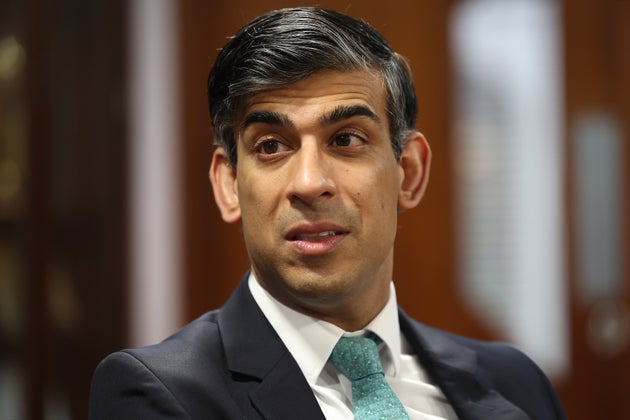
x=453, y=367
x=285, y=394
x=254, y=350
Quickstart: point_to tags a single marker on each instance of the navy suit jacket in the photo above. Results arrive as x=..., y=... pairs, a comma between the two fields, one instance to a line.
x=231, y=364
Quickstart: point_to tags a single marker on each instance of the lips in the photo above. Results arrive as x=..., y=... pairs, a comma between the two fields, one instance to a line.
x=316, y=238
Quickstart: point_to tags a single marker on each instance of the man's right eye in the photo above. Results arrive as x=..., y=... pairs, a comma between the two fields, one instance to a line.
x=270, y=147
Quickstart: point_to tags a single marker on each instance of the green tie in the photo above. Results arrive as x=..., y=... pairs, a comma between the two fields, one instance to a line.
x=357, y=358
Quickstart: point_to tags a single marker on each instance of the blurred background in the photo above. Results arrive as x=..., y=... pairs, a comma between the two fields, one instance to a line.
x=109, y=236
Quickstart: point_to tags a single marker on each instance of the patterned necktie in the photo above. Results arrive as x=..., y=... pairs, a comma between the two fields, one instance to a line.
x=357, y=358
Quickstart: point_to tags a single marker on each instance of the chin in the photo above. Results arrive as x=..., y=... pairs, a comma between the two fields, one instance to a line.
x=319, y=287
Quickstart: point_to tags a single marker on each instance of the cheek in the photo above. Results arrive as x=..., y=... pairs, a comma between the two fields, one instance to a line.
x=251, y=205
x=259, y=198
x=252, y=192
x=377, y=196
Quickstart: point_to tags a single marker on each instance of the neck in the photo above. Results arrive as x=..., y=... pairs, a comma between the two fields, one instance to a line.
x=351, y=314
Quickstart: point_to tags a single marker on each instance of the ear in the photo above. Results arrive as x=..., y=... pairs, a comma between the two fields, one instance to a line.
x=415, y=163
x=223, y=180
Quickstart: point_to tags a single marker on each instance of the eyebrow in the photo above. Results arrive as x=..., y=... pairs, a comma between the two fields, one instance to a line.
x=345, y=112
x=339, y=113
x=267, y=117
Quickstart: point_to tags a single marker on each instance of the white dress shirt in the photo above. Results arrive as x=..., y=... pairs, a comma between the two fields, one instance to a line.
x=311, y=341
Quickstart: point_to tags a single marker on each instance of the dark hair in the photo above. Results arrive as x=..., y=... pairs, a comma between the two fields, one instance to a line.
x=288, y=45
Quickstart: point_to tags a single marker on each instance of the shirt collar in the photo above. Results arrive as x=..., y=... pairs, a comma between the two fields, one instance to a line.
x=311, y=341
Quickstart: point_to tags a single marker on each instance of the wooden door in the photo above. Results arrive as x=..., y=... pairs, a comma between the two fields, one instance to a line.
x=597, y=72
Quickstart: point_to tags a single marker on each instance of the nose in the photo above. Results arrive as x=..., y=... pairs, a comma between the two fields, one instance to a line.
x=312, y=176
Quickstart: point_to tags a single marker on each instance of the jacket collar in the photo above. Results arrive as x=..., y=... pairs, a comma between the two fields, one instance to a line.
x=283, y=393
x=254, y=350
x=454, y=369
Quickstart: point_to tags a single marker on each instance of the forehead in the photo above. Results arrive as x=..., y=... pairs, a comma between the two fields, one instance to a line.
x=322, y=90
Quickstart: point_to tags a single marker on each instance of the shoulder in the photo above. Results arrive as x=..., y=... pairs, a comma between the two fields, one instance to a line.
x=194, y=345
x=197, y=339
x=493, y=359
x=172, y=377
x=502, y=363
x=454, y=347
x=494, y=365
x=515, y=375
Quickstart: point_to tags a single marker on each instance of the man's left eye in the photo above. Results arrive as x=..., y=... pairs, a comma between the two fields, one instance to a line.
x=346, y=140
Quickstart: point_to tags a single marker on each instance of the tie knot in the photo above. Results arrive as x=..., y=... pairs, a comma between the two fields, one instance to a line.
x=356, y=357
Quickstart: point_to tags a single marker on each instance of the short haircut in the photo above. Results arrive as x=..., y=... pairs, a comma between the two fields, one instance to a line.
x=288, y=45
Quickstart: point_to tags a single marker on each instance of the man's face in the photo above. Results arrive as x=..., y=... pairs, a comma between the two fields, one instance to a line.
x=317, y=190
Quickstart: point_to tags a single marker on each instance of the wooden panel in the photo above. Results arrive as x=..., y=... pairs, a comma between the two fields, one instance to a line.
x=71, y=229
x=597, y=71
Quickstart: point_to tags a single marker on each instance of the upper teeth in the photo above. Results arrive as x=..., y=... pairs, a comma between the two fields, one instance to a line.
x=316, y=236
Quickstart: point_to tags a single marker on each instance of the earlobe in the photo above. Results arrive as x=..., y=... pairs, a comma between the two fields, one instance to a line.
x=415, y=164
x=223, y=180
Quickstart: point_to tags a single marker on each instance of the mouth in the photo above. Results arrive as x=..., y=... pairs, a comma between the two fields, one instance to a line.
x=316, y=239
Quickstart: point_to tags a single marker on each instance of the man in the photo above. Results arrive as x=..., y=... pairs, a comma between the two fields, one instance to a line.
x=314, y=118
